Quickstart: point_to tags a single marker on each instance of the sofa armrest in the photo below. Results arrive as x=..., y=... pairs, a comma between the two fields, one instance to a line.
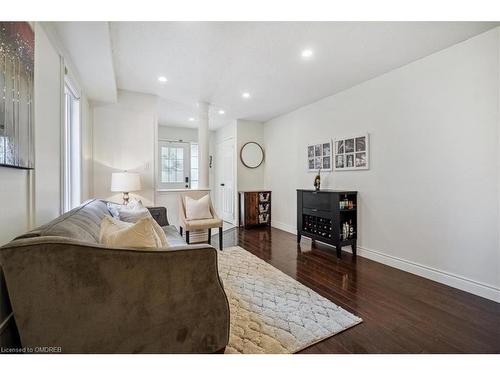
x=90, y=299
x=160, y=215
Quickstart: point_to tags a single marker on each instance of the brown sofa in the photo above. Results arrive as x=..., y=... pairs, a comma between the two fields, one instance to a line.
x=70, y=292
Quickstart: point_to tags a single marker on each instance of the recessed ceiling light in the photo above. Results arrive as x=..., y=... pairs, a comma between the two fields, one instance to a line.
x=191, y=119
x=307, y=53
x=162, y=79
x=246, y=95
x=221, y=111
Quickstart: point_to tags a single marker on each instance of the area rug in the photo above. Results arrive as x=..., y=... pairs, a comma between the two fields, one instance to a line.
x=270, y=311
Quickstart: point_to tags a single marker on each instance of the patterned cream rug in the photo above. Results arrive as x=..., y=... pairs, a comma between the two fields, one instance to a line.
x=270, y=311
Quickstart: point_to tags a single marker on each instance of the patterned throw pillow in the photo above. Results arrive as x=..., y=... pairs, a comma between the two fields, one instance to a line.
x=131, y=212
x=114, y=209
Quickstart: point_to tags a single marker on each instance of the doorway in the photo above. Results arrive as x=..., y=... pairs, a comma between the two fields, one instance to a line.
x=225, y=179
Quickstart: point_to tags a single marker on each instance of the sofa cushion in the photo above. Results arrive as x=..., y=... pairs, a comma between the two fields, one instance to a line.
x=82, y=223
x=203, y=224
x=173, y=236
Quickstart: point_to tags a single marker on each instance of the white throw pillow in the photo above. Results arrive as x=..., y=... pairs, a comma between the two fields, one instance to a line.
x=197, y=209
x=141, y=234
x=132, y=215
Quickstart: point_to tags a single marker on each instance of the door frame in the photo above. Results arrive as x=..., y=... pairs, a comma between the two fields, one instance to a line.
x=218, y=164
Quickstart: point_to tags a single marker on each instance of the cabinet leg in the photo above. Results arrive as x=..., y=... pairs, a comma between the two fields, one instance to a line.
x=339, y=251
x=298, y=238
x=354, y=248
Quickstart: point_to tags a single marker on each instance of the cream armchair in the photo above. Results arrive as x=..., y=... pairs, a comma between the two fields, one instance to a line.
x=189, y=225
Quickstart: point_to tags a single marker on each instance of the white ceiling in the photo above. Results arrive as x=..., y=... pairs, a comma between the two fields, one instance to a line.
x=89, y=47
x=216, y=61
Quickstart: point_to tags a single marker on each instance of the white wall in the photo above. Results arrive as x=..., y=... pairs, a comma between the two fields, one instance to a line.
x=16, y=190
x=33, y=204
x=248, y=178
x=48, y=115
x=124, y=137
x=430, y=201
x=14, y=193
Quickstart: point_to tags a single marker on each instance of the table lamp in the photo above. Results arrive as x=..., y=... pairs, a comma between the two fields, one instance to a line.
x=125, y=182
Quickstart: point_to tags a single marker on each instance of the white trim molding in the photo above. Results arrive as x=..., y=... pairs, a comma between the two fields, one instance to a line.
x=459, y=282
x=471, y=286
x=283, y=226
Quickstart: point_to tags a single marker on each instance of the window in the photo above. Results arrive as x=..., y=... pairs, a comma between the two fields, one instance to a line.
x=178, y=165
x=71, y=146
x=194, y=165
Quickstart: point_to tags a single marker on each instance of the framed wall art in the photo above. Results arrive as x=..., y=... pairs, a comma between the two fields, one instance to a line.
x=319, y=156
x=351, y=153
x=17, y=46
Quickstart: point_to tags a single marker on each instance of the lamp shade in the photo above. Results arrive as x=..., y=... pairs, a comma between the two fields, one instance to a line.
x=125, y=182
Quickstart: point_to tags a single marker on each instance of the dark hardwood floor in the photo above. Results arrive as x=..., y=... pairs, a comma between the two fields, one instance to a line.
x=401, y=312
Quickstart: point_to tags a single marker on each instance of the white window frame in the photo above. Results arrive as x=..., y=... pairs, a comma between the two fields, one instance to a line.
x=71, y=143
x=194, y=182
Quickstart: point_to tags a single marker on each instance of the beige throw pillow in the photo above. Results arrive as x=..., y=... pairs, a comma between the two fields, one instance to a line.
x=197, y=209
x=142, y=234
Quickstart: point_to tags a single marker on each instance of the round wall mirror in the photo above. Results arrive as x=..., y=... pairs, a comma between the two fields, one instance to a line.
x=251, y=155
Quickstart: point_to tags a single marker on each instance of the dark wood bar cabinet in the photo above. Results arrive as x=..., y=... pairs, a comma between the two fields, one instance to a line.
x=329, y=216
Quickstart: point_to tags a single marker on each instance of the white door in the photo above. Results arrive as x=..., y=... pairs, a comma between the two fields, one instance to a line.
x=225, y=179
x=174, y=165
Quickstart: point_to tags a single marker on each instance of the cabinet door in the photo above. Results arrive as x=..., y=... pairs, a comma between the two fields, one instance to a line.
x=317, y=200
x=251, y=208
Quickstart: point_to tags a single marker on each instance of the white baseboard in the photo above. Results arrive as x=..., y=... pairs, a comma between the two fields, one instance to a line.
x=443, y=277
x=471, y=286
x=283, y=226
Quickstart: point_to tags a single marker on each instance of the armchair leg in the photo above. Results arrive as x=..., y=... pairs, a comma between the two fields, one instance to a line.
x=180, y=229
x=187, y=237
x=220, y=238
x=209, y=235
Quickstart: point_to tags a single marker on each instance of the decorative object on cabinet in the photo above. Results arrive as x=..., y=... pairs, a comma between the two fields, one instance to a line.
x=319, y=156
x=255, y=208
x=17, y=56
x=329, y=216
x=317, y=180
x=351, y=153
x=252, y=155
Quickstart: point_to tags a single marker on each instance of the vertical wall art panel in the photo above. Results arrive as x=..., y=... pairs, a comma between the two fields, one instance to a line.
x=17, y=48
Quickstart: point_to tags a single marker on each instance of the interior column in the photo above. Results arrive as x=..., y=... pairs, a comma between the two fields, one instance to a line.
x=203, y=151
